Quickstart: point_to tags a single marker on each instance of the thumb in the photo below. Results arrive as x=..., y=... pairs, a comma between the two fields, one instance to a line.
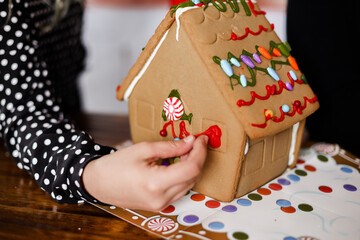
x=166, y=149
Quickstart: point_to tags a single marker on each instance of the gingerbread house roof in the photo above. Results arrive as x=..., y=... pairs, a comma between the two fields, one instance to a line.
x=252, y=68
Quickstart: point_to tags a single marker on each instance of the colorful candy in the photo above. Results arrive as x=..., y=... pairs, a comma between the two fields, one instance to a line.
x=285, y=108
x=173, y=108
x=257, y=58
x=289, y=86
x=276, y=52
x=226, y=67
x=243, y=80
x=293, y=63
x=303, y=78
x=283, y=49
x=273, y=74
x=269, y=114
x=264, y=52
x=293, y=75
x=235, y=62
x=247, y=61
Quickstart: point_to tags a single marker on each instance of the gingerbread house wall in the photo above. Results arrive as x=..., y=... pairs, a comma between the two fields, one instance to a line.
x=177, y=65
x=269, y=157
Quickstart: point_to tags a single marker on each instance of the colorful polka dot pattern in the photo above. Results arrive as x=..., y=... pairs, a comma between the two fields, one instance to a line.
x=36, y=70
x=276, y=195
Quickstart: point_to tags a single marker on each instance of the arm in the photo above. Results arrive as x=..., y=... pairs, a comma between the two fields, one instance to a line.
x=37, y=135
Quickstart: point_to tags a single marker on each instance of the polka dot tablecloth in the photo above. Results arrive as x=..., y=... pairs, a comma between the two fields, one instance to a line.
x=319, y=199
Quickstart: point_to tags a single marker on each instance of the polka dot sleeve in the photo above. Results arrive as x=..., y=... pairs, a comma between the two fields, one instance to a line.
x=37, y=135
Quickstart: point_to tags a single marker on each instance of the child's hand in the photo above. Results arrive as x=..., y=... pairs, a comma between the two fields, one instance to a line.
x=130, y=177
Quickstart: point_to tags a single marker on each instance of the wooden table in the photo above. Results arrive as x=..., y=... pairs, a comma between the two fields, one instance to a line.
x=27, y=212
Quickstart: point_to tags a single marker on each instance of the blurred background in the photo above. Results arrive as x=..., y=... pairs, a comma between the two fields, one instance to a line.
x=114, y=33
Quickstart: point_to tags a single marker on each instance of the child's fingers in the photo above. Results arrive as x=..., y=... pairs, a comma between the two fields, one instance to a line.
x=153, y=151
x=178, y=191
x=187, y=169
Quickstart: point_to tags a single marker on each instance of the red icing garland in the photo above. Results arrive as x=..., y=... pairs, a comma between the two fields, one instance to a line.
x=252, y=8
x=296, y=108
x=247, y=31
x=214, y=133
x=271, y=90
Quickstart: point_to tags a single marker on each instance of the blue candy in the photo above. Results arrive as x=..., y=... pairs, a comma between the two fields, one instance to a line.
x=196, y=1
x=235, y=62
x=225, y=65
x=293, y=75
x=285, y=108
x=273, y=74
x=243, y=80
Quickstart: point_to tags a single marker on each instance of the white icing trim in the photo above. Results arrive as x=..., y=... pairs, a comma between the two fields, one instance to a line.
x=133, y=83
x=143, y=70
x=295, y=130
x=178, y=13
x=246, y=150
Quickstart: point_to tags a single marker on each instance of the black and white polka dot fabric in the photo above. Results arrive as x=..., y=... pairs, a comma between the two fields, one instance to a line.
x=38, y=71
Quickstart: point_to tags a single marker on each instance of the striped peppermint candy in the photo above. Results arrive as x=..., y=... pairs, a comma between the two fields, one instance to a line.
x=173, y=108
x=161, y=224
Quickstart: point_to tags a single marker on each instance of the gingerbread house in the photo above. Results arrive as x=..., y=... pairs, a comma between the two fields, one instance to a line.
x=218, y=68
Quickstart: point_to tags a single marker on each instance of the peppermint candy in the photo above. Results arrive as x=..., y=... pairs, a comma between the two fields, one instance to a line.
x=161, y=224
x=173, y=108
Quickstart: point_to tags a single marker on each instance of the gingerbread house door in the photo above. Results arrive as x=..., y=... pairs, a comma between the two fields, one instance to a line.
x=266, y=159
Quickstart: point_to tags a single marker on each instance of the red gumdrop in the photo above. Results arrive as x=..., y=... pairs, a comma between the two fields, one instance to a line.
x=297, y=103
x=163, y=133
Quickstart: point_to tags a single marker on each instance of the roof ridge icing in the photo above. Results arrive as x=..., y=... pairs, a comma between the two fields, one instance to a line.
x=179, y=9
x=248, y=5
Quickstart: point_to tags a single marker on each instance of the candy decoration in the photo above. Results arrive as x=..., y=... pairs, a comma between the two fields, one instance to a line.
x=293, y=75
x=303, y=78
x=289, y=86
x=243, y=81
x=226, y=67
x=196, y=1
x=276, y=52
x=173, y=108
x=257, y=58
x=247, y=61
x=293, y=63
x=235, y=62
x=269, y=114
x=285, y=108
x=273, y=74
x=264, y=52
x=283, y=49
x=161, y=224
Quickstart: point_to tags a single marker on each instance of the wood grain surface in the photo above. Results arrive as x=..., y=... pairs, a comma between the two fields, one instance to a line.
x=27, y=212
